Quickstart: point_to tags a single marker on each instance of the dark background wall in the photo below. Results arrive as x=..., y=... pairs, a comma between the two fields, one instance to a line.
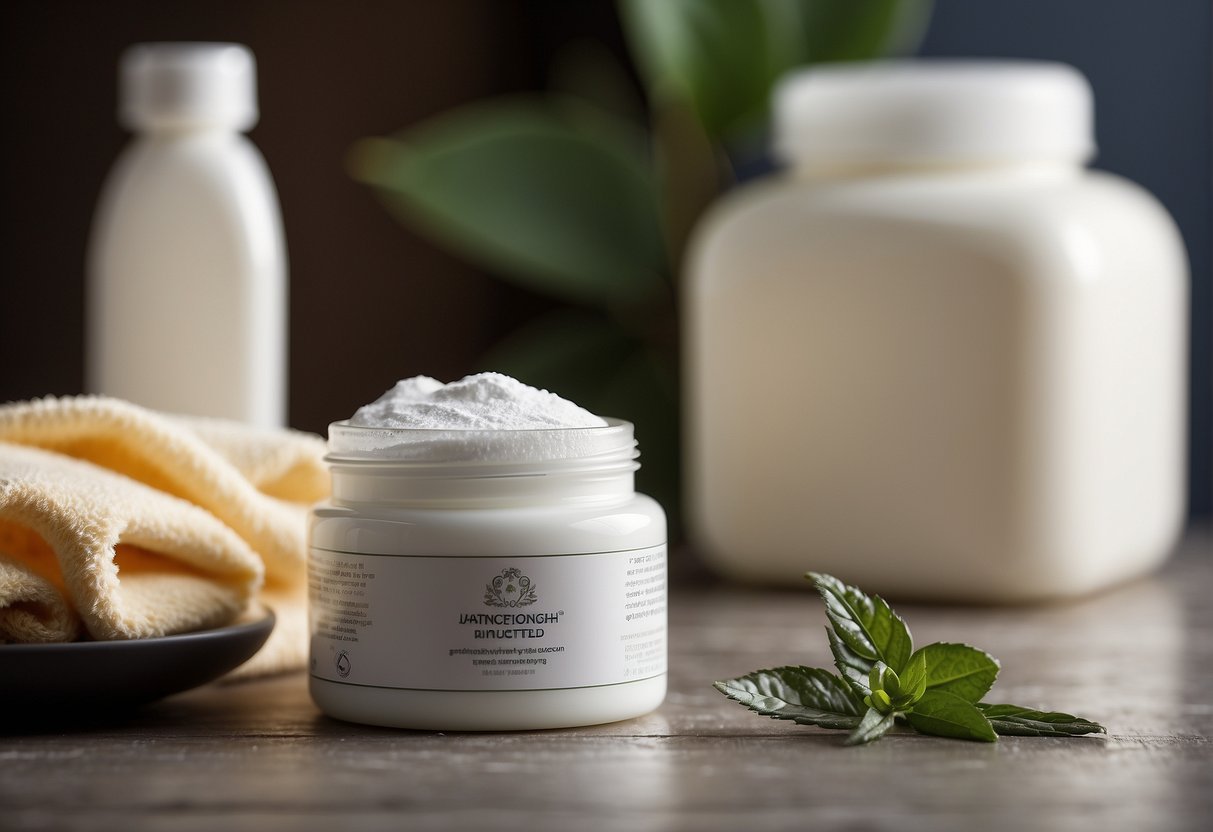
x=371, y=302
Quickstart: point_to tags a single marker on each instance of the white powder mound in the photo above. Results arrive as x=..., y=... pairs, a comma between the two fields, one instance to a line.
x=486, y=401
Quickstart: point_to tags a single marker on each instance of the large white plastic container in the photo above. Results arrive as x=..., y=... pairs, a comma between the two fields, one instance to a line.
x=936, y=357
x=187, y=266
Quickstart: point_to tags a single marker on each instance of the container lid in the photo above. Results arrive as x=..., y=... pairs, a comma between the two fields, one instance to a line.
x=933, y=112
x=181, y=86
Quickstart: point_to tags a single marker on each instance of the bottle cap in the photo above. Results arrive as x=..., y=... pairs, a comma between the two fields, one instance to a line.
x=933, y=112
x=182, y=86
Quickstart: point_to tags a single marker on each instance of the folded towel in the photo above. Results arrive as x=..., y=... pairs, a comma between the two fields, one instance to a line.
x=119, y=522
x=71, y=527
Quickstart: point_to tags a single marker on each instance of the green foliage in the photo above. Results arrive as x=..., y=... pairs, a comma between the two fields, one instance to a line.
x=806, y=695
x=558, y=197
x=1014, y=721
x=960, y=670
x=936, y=691
x=716, y=56
x=874, y=725
x=865, y=627
x=565, y=196
x=914, y=678
x=891, y=692
x=723, y=56
x=947, y=715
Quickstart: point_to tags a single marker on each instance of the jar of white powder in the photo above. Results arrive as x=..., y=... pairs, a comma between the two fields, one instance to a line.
x=485, y=564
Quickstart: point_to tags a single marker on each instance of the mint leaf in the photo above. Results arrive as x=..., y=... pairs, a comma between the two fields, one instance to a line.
x=873, y=726
x=852, y=667
x=884, y=678
x=1016, y=721
x=914, y=677
x=937, y=689
x=945, y=714
x=806, y=695
x=960, y=670
x=866, y=626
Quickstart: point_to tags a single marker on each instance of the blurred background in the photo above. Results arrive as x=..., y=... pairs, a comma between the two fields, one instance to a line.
x=374, y=299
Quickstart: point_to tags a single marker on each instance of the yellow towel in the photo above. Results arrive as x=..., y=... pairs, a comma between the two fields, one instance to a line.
x=120, y=522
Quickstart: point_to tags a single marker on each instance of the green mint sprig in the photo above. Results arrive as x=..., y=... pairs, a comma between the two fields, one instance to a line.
x=883, y=680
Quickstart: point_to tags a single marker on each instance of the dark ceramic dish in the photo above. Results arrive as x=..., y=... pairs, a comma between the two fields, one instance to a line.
x=87, y=676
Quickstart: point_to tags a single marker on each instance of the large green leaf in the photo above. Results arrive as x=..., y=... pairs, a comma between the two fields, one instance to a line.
x=845, y=30
x=723, y=56
x=716, y=54
x=558, y=197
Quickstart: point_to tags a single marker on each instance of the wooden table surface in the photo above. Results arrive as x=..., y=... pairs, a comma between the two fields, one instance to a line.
x=259, y=755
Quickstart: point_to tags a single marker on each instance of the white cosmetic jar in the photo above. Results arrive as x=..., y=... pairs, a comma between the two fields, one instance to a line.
x=486, y=580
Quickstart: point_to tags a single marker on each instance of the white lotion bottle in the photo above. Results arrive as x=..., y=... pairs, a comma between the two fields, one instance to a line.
x=187, y=274
x=937, y=357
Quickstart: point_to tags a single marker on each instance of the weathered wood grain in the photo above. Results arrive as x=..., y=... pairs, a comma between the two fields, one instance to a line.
x=259, y=755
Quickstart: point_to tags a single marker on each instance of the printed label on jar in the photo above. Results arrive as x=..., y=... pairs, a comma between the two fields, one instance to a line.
x=491, y=623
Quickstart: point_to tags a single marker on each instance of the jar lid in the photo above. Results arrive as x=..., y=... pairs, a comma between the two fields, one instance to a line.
x=188, y=86
x=933, y=112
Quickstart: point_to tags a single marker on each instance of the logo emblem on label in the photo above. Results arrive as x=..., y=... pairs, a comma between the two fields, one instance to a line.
x=510, y=589
x=342, y=662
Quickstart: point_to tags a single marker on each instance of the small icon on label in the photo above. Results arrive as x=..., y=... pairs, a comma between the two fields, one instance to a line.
x=510, y=589
x=342, y=661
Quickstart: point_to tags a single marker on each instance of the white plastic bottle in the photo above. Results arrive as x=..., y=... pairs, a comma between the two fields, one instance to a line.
x=936, y=357
x=187, y=266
